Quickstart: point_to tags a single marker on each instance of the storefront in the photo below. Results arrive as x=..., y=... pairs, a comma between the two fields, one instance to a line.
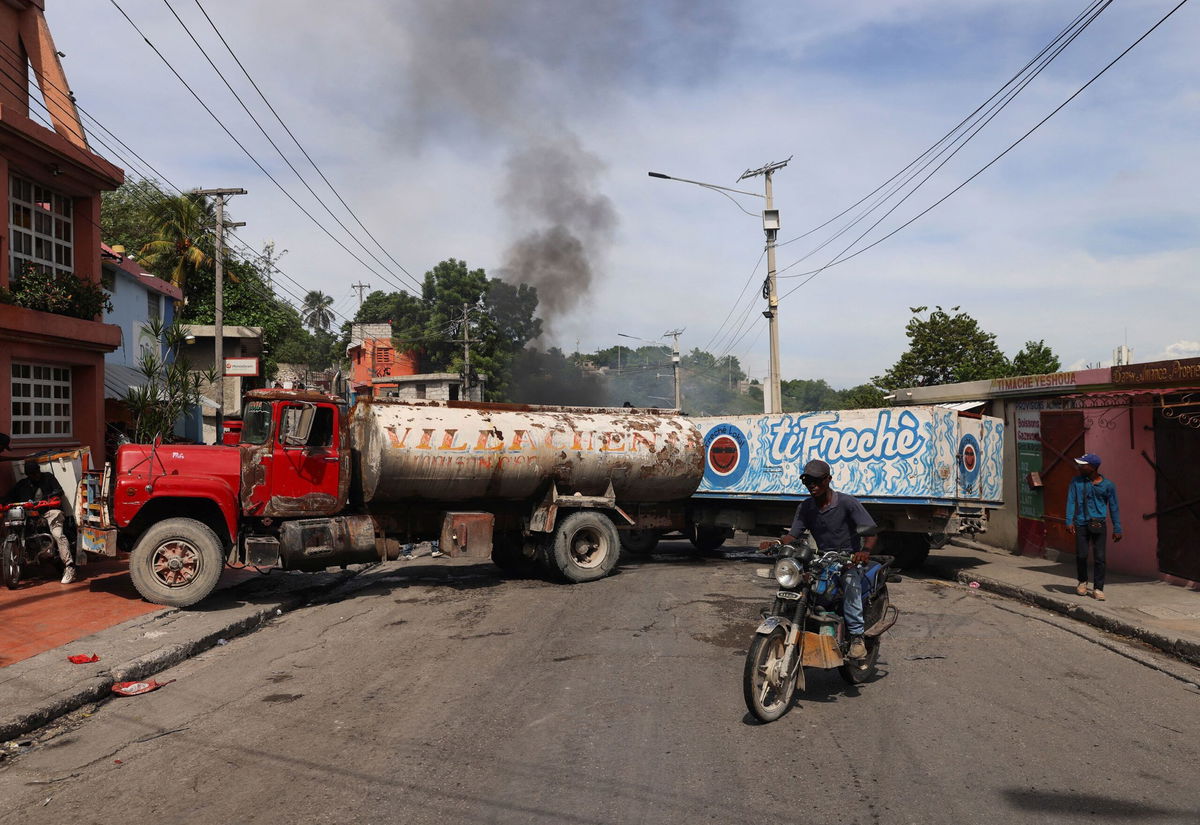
x=1143, y=420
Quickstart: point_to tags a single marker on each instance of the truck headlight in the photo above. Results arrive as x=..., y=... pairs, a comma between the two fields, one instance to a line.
x=787, y=572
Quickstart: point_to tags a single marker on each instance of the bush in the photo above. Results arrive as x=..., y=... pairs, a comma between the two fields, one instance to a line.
x=59, y=293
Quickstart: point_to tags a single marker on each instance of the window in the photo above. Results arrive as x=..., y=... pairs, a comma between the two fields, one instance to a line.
x=256, y=423
x=40, y=228
x=153, y=306
x=419, y=390
x=41, y=400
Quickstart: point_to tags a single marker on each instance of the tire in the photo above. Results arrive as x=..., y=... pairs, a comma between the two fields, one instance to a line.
x=585, y=547
x=639, y=542
x=768, y=693
x=909, y=549
x=509, y=553
x=855, y=673
x=10, y=562
x=708, y=539
x=938, y=540
x=190, y=544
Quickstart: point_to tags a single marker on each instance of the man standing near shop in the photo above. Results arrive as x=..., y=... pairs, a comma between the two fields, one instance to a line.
x=1091, y=501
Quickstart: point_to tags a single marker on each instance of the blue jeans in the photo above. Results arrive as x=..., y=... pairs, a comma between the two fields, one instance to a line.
x=852, y=603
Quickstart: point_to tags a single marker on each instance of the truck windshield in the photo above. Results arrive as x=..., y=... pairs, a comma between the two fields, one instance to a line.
x=256, y=423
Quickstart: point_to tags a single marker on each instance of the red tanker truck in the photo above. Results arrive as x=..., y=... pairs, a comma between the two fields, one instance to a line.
x=312, y=484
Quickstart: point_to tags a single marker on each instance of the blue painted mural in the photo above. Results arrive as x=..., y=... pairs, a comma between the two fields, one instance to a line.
x=910, y=453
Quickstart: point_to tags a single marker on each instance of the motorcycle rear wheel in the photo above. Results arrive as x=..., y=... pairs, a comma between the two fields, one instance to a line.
x=10, y=562
x=767, y=691
x=856, y=672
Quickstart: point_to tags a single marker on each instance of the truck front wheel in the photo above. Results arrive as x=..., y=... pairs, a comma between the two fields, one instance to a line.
x=177, y=562
x=585, y=546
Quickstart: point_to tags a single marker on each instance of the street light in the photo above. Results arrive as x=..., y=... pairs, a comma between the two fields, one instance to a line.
x=772, y=398
x=675, y=333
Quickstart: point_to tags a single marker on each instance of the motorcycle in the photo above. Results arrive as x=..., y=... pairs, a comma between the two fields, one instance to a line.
x=26, y=540
x=805, y=628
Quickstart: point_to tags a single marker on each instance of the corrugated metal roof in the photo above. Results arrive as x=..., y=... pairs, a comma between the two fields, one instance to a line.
x=119, y=379
x=963, y=406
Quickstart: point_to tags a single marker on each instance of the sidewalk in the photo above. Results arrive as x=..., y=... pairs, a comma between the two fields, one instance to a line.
x=1163, y=615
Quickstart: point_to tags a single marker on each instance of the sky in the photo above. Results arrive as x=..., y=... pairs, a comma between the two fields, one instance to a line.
x=517, y=136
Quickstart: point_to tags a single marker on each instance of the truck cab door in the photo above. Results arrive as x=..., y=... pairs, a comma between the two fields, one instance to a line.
x=299, y=470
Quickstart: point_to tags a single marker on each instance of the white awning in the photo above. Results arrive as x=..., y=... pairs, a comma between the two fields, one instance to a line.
x=963, y=406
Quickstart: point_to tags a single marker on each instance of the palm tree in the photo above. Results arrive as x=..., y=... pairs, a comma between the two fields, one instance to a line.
x=184, y=226
x=316, y=310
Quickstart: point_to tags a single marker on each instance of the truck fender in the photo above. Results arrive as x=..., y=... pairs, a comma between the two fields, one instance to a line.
x=212, y=489
x=770, y=623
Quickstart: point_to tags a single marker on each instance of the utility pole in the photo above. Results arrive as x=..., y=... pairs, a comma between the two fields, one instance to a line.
x=675, y=333
x=360, y=286
x=218, y=303
x=773, y=399
x=466, y=342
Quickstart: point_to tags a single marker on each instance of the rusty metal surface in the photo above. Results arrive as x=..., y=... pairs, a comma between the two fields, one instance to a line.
x=820, y=650
x=459, y=451
x=467, y=534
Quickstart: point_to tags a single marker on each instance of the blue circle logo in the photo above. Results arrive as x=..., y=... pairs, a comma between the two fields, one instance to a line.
x=726, y=455
x=968, y=461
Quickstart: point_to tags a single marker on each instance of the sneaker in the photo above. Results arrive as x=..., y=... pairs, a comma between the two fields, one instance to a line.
x=1098, y=595
x=858, y=648
x=436, y=554
x=69, y=574
x=1081, y=589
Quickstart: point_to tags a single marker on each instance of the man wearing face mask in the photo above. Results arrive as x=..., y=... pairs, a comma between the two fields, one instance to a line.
x=833, y=519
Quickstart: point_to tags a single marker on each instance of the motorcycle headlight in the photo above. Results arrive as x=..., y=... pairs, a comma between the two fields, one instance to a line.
x=15, y=514
x=787, y=572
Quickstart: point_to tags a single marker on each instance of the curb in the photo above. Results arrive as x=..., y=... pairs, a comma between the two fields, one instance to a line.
x=1183, y=649
x=93, y=689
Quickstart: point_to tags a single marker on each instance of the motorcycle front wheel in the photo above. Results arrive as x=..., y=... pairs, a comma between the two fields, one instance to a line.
x=767, y=689
x=10, y=562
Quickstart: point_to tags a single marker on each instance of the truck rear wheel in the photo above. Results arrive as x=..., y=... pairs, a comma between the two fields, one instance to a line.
x=639, y=542
x=585, y=546
x=177, y=562
x=909, y=549
x=708, y=539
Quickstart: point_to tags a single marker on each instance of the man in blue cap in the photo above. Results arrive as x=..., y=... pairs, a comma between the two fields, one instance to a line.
x=1091, y=499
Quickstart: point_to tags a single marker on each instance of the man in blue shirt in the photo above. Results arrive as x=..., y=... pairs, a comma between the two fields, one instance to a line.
x=1091, y=499
x=833, y=519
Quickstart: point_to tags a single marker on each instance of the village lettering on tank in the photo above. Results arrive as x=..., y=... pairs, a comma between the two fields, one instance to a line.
x=454, y=440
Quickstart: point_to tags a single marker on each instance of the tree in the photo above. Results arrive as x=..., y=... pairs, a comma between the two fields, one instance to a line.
x=1035, y=358
x=944, y=349
x=317, y=310
x=127, y=214
x=171, y=390
x=864, y=396
x=804, y=395
x=183, y=238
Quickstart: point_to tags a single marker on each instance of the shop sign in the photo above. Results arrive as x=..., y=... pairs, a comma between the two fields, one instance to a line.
x=1026, y=383
x=242, y=367
x=1157, y=372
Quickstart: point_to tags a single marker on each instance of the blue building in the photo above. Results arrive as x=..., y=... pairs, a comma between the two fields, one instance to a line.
x=137, y=297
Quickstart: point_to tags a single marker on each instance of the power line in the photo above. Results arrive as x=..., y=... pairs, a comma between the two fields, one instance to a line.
x=246, y=151
x=962, y=141
x=994, y=160
x=270, y=140
x=296, y=140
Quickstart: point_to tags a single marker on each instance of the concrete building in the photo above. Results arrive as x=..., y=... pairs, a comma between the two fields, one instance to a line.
x=1143, y=420
x=52, y=389
x=242, y=348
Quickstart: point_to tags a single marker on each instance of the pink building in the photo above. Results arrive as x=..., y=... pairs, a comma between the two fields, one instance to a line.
x=1143, y=420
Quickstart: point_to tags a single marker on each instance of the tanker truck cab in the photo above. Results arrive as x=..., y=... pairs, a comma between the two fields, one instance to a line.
x=294, y=457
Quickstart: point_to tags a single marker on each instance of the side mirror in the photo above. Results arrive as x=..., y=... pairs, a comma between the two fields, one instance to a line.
x=864, y=531
x=298, y=425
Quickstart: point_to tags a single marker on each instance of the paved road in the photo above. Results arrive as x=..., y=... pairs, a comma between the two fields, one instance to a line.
x=448, y=693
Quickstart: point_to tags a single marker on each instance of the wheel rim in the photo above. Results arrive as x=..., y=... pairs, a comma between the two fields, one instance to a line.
x=588, y=548
x=176, y=563
x=12, y=562
x=770, y=682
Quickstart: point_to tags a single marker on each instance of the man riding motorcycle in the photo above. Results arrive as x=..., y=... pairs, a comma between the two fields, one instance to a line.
x=39, y=486
x=833, y=519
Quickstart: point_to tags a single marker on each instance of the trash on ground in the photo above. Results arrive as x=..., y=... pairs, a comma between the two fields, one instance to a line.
x=83, y=659
x=974, y=584
x=137, y=688
x=926, y=656
x=222, y=641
